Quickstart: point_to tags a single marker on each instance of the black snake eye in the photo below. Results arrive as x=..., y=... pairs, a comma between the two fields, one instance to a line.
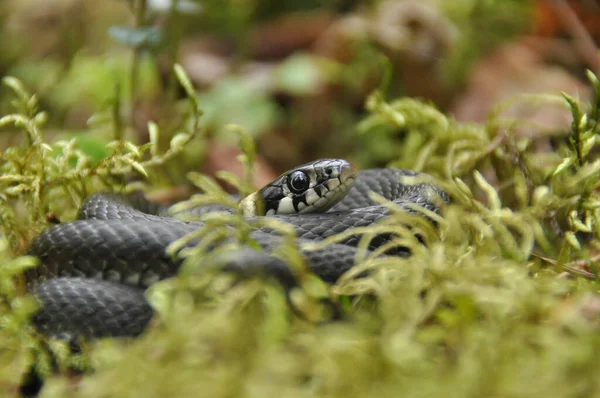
x=328, y=171
x=298, y=182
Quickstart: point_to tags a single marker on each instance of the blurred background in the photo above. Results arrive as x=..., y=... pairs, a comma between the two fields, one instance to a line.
x=296, y=74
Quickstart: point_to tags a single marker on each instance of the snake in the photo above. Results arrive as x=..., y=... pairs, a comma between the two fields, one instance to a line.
x=93, y=272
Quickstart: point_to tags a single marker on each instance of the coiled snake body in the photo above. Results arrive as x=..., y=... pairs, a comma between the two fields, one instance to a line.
x=94, y=270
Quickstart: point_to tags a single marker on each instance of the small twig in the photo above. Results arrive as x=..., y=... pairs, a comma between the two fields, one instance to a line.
x=584, y=43
x=580, y=263
x=573, y=266
x=579, y=271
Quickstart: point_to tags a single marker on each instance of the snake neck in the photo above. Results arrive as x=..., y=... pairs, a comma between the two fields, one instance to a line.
x=252, y=205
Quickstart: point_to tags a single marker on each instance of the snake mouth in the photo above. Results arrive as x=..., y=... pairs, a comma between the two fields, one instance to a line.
x=333, y=181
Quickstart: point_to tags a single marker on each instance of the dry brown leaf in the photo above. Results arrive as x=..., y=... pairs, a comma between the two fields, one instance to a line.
x=223, y=157
x=512, y=70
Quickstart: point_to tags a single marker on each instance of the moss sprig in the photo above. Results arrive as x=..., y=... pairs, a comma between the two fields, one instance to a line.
x=41, y=179
x=577, y=175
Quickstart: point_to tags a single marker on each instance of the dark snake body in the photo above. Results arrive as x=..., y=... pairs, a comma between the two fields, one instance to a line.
x=94, y=270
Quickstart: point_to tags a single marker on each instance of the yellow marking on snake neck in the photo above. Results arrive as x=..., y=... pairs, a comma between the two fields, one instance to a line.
x=252, y=205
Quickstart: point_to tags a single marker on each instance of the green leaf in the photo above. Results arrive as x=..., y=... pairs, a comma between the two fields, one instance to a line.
x=154, y=134
x=184, y=80
x=16, y=85
x=138, y=167
x=565, y=164
x=572, y=240
x=17, y=189
x=583, y=122
x=493, y=197
x=147, y=36
x=92, y=146
x=18, y=265
x=299, y=75
x=579, y=226
x=186, y=83
x=179, y=141
x=588, y=145
x=132, y=148
x=230, y=178
x=205, y=183
x=592, y=78
x=40, y=118
x=596, y=101
x=247, y=144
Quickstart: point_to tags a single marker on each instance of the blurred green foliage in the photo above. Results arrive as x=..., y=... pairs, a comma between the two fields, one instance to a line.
x=85, y=60
x=483, y=25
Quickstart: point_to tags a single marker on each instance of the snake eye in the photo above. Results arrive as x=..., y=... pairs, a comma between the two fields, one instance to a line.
x=328, y=171
x=298, y=182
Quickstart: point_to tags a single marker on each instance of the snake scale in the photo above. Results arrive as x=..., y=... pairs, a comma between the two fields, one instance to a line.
x=93, y=271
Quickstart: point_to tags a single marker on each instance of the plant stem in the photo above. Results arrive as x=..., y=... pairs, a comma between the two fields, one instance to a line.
x=175, y=33
x=116, y=114
x=139, y=8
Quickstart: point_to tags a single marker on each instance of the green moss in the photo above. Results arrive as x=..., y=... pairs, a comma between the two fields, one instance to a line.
x=502, y=302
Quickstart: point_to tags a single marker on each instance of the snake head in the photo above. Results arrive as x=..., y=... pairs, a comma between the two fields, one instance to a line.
x=311, y=188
